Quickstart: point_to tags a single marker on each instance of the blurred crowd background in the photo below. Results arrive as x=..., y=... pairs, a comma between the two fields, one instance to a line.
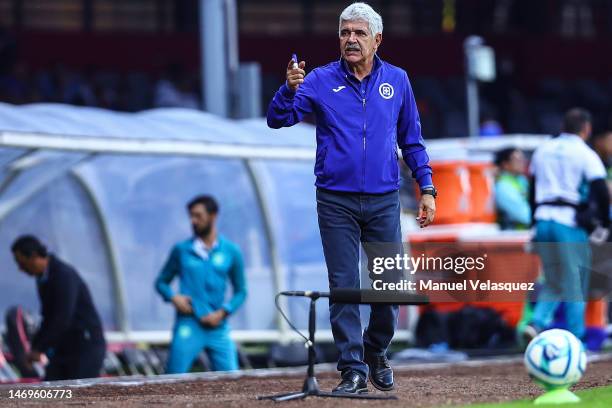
x=140, y=54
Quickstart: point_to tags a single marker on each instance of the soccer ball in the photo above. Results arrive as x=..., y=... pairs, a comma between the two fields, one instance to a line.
x=555, y=359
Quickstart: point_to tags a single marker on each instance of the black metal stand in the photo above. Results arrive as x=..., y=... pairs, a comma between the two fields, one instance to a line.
x=311, y=386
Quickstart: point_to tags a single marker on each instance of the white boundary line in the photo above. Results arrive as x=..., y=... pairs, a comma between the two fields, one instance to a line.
x=271, y=372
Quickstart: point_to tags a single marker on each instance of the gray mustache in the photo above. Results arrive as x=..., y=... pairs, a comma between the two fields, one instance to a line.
x=352, y=48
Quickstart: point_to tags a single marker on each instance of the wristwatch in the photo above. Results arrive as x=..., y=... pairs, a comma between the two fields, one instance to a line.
x=430, y=190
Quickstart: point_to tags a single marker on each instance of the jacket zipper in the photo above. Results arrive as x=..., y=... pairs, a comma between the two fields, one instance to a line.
x=363, y=103
x=364, y=144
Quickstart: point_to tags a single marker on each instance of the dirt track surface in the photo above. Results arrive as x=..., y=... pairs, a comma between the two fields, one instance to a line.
x=416, y=387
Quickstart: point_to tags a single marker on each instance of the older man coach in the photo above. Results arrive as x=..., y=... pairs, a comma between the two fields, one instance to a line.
x=364, y=109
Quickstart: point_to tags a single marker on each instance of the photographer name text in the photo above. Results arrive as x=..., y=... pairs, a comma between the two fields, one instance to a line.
x=462, y=286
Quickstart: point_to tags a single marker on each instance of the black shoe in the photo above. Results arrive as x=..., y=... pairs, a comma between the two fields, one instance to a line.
x=352, y=383
x=381, y=374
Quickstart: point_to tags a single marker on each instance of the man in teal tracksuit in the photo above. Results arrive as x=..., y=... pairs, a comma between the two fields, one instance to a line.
x=204, y=264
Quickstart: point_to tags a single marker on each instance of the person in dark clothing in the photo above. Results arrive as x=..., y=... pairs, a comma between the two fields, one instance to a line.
x=71, y=333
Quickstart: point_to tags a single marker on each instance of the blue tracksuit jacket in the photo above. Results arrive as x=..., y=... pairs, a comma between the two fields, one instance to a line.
x=359, y=126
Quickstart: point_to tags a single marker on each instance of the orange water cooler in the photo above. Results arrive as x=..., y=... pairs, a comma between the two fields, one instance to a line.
x=482, y=193
x=452, y=179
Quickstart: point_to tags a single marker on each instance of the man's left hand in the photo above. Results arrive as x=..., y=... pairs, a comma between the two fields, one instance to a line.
x=427, y=210
x=33, y=357
x=213, y=319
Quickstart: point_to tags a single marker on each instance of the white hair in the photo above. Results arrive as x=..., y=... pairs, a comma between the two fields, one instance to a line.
x=362, y=11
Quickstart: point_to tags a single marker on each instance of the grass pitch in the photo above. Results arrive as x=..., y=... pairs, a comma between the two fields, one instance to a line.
x=600, y=397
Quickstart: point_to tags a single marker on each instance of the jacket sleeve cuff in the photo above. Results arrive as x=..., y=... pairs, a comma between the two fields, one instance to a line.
x=166, y=292
x=200, y=310
x=286, y=92
x=37, y=346
x=228, y=308
x=425, y=180
x=40, y=343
